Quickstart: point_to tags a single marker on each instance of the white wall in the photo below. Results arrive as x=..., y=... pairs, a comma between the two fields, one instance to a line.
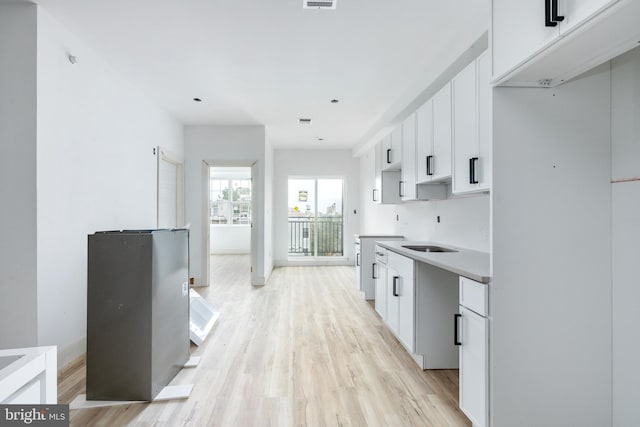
x=229, y=239
x=464, y=221
x=268, y=209
x=96, y=171
x=550, y=296
x=625, y=135
x=314, y=163
x=219, y=146
x=18, y=308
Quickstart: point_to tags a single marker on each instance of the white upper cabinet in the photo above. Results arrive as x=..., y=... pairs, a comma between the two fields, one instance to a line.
x=440, y=167
x=546, y=42
x=433, y=138
x=484, y=171
x=577, y=12
x=465, y=129
x=408, y=173
x=424, y=141
x=472, y=128
x=518, y=31
x=376, y=194
x=392, y=150
x=386, y=188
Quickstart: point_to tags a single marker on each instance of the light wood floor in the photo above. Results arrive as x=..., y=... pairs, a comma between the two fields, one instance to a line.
x=304, y=350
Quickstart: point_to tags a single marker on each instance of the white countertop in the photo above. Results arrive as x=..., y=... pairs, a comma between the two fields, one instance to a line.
x=377, y=236
x=474, y=265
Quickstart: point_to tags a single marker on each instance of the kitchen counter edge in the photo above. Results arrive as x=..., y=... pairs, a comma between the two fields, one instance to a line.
x=474, y=265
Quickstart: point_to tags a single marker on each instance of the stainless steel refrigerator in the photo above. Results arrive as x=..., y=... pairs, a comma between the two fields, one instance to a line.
x=137, y=312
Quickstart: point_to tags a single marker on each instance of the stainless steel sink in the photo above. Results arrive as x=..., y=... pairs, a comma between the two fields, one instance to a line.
x=428, y=248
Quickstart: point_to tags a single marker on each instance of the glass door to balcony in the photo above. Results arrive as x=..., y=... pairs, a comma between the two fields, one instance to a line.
x=315, y=217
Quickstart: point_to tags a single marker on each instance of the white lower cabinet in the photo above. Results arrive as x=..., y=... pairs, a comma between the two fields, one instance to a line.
x=358, y=266
x=381, y=290
x=420, y=302
x=380, y=281
x=401, y=298
x=472, y=335
x=367, y=266
x=393, y=304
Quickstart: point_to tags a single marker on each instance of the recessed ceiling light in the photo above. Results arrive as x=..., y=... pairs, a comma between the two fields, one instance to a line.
x=197, y=99
x=334, y=101
x=319, y=4
x=304, y=121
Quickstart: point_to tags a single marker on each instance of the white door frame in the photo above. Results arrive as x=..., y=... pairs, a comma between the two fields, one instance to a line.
x=206, y=251
x=167, y=156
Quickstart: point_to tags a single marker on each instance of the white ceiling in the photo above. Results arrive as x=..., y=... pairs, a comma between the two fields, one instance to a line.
x=271, y=62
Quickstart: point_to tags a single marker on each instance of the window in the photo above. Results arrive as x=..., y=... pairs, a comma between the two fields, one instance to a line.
x=315, y=217
x=230, y=201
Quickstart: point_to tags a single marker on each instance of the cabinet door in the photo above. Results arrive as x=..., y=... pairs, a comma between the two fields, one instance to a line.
x=441, y=162
x=577, y=12
x=424, y=141
x=386, y=153
x=381, y=290
x=393, y=301
x=377, y=186
x=396, y=146
x=518, y=32
x=358, y=267
x=408, y=167
x=406, y=307
x=474, y=366
x=485, y=122
x=392, y=150
x=465, y=129
x=390, y=190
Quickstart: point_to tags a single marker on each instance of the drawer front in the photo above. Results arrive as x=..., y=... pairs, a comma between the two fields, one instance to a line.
x=474, y=296
x=381, y=254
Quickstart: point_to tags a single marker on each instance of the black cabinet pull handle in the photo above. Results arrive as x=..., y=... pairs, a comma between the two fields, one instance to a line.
x=373, y=271
x=472, y=170
x=548, y=22
x=358, y=259
x=389, y=155
x=374, y=194
x=429, y=170
x=456, y=338
x=554, y=12
x=400, y=188
x=395, y=286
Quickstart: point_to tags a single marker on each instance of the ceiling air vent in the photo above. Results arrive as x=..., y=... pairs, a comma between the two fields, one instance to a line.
x=304, y=121
x=319, y=4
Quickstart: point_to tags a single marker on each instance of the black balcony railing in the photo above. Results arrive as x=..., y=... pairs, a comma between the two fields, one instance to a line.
x=303, y=235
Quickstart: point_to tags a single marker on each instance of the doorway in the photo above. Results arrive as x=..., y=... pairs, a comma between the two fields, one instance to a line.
x=230, y=208
x=315, y=216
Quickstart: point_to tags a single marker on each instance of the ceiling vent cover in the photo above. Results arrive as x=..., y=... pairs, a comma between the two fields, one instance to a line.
x=319, y=4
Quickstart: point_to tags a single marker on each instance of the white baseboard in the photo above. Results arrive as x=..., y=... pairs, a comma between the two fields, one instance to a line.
x=313, y=262
x=71, y=352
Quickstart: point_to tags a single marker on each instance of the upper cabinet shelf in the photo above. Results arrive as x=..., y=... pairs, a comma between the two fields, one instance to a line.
x=542, y=43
